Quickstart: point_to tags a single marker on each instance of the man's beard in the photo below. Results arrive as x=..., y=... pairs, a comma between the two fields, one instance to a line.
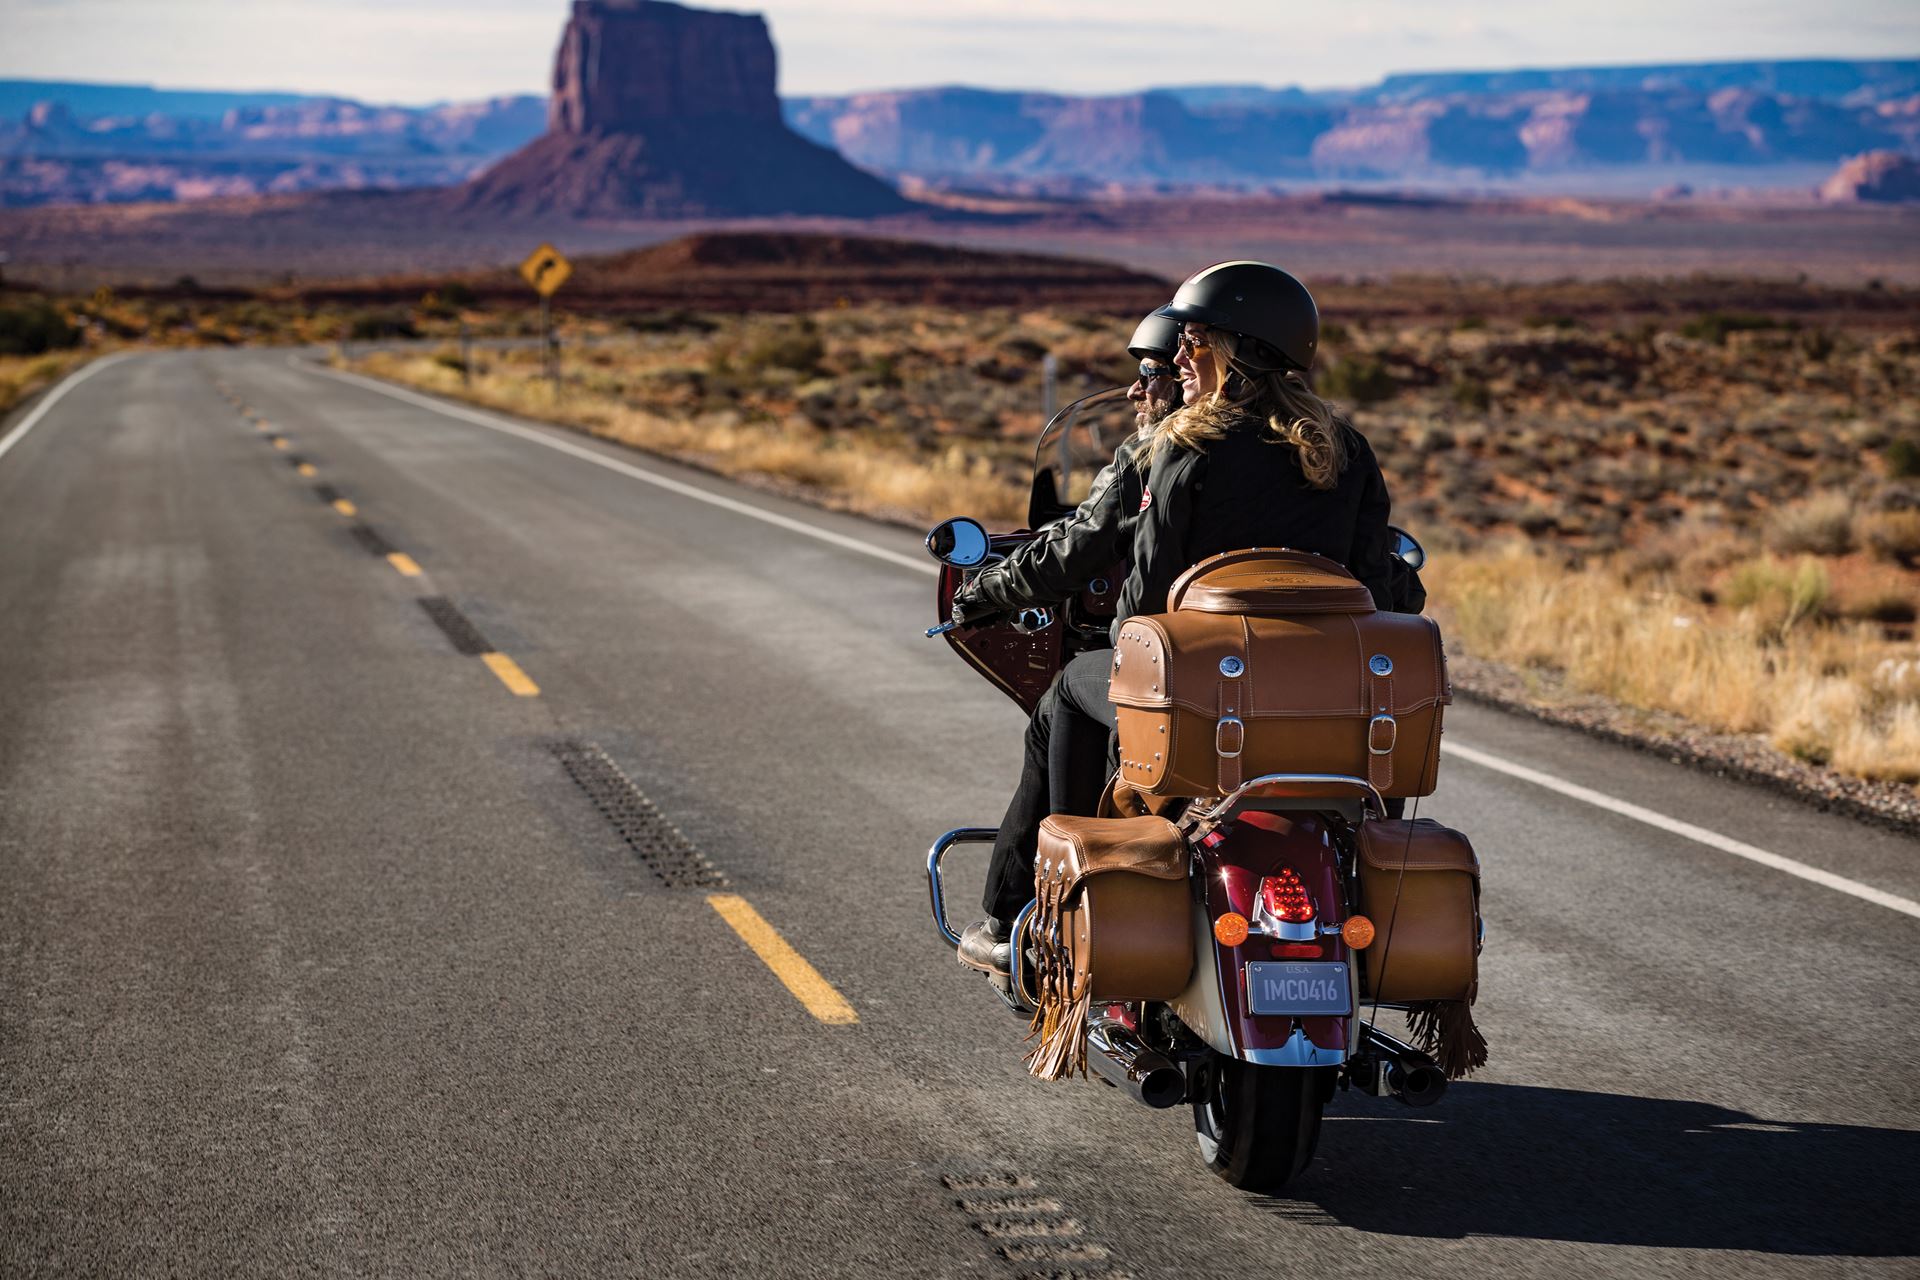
x=1154, y=414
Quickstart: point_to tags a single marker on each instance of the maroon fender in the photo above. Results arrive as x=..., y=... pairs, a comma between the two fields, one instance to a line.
x=1260, y=845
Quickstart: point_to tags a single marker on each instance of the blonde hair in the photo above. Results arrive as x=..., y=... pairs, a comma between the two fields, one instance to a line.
x=1255, y=384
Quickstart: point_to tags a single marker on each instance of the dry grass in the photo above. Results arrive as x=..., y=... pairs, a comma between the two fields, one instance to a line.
x=1831, y=693
x=21, y=376
x=868, y=473
x=1821, y=525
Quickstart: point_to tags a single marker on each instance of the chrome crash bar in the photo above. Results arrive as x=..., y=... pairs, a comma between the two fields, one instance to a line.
x=935, y=886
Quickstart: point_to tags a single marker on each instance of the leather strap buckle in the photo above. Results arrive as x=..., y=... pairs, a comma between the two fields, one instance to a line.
x=1220, y=737
x=1373, y=735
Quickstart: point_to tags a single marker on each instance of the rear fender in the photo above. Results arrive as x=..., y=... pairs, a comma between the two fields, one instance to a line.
x=1214, y=1005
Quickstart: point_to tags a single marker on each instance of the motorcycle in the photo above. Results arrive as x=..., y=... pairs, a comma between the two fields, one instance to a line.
x=1270, y=1024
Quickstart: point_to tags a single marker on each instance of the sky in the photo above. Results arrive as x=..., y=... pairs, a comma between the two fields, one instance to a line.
x=417, y=51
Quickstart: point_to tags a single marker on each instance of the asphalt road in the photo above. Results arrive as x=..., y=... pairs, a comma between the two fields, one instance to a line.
x=315, y=958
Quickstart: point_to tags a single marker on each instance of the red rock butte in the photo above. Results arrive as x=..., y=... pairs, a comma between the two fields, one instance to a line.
x=662, y=111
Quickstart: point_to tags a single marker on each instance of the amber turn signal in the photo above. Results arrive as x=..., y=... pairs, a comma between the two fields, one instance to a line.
x=1357, y=933
x=1230, y=930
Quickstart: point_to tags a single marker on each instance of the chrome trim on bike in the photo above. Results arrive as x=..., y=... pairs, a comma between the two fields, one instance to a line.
x=1018, y=960
x=1298, y=1051
x=1363, y=789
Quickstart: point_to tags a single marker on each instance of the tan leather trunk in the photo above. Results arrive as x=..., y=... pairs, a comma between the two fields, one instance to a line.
x=1420, y=885
x=1277, y=662
x=1126, y=920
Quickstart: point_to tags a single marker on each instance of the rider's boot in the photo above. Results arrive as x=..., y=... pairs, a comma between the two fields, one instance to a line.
x=987, y=945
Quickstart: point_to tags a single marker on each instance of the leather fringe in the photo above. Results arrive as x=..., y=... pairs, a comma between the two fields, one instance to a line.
x=1445, y=1030
x=1062, y=1028
x=1062, y=1007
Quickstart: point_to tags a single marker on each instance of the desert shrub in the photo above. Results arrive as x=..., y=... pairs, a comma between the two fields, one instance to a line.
x=1023, y=349
x=1817, y=344
x=1779, y=595
x=1714, y=326
x=370, y=326
x=1552, y=322
x=1358, y=379
x=1890, y=606
x=1887, y=749
x=796, y=346
x=457, y=294
x=450, y=358
x=1472, y=394
x=1821, y=526
x=1902, y=457
x=1893, y=535
x=1814, y=712
x=1468, y=323
x=32, y=326
x=674, y=320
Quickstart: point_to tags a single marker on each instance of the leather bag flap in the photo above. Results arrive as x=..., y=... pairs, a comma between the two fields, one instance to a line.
x=1146, y=846
x=1302, y=666
x=1267, y=584
x=1420, y=845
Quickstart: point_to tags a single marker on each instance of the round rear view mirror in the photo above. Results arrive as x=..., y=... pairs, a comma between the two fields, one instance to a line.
x=959, y=542
x=1407, y=547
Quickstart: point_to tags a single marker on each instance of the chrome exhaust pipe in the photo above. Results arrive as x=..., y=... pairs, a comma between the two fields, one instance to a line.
x=1405, y=1072
x=1418, y=1084
x=1117, y=1056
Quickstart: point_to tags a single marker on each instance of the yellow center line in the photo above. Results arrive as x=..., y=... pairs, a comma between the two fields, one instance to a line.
x=345, y=508
x=280, y=442
x=404, y=563
x=511, y=675
x=307, y=469
x=788, y=965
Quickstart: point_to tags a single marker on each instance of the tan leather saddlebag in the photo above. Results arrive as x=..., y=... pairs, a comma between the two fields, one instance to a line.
x=1277, y=662
x=1114, y=922
x=1420, y=885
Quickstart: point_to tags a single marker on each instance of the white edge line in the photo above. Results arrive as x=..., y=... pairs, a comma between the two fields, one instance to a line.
x=1700, y=835
x=492, y=423
x=53, y=397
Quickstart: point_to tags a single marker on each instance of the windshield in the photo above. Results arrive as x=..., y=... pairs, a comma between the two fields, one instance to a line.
x=1074, y=446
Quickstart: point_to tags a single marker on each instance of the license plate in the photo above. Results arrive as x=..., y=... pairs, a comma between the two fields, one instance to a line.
x=1316, y=988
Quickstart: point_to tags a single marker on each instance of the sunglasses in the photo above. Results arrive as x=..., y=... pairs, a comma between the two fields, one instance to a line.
x=1191, y=346
x=1149, y=371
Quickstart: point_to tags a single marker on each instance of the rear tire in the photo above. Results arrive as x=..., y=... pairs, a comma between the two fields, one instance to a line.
x=1258, y=1126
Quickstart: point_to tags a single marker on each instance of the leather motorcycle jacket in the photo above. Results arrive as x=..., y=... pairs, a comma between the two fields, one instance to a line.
x=1069, y=553
x=1244, y=490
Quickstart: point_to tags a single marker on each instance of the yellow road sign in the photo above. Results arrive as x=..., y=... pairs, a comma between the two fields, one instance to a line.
x=546, y=270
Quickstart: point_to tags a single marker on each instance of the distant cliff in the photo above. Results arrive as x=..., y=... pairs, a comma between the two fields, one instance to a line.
x=53, y=154
x=1462, y=125
x=1879, y=177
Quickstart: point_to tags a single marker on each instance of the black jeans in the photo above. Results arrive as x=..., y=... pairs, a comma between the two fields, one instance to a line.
x=1065, y=770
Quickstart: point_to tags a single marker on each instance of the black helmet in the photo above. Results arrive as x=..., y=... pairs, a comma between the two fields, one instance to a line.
x=1256, y=300
x=1158, y=335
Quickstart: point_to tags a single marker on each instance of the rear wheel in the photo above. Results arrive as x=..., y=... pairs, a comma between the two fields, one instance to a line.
x=1258, y=1126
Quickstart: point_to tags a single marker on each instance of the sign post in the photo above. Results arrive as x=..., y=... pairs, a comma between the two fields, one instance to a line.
x=546, y=270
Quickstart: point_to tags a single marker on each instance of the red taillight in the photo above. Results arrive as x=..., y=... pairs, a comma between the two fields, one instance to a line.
x=1285, y=897
x=1297, y=951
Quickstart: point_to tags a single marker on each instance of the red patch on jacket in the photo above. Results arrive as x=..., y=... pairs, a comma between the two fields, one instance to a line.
x=1146, y=498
